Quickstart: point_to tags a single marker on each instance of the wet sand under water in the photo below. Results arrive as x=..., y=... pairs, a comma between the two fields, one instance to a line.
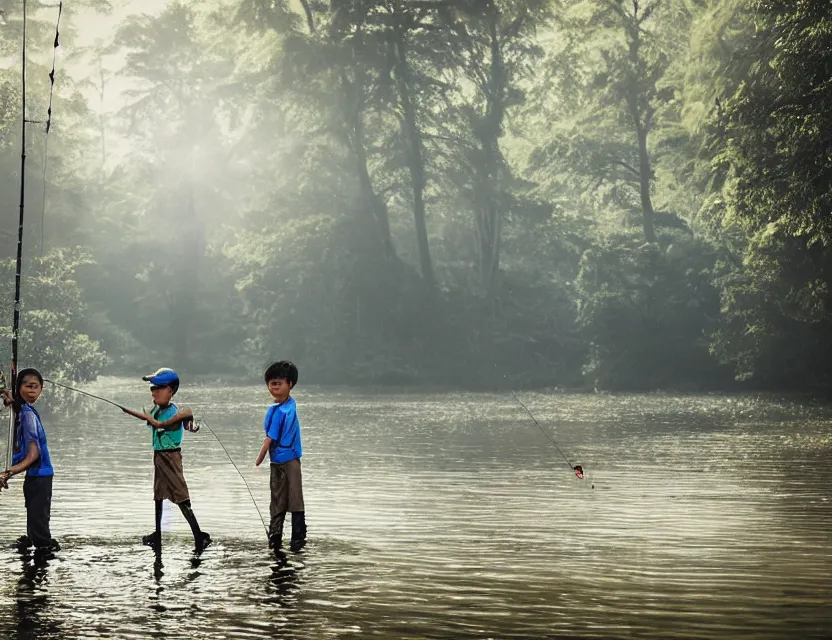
x=442, y=515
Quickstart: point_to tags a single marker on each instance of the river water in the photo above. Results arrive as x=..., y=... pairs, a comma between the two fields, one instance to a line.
x=441, y=515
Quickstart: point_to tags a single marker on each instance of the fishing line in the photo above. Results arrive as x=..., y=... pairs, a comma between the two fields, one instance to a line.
x=91, y=395
x=578, y=469
x=43, y=195
x=55, y=46
x=199, y=422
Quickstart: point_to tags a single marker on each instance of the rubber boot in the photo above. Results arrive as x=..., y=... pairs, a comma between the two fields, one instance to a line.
x=152, y=540
x=23, y=543
x=298, y=530
x=276, y=537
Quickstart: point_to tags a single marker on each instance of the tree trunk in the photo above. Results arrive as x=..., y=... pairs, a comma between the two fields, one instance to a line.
x=310, y=18
x=490, y=216
x=641, y=123
x=645, y=175
x=489, y=232
x=183, y=304
x=415, y=158
x=373, y=204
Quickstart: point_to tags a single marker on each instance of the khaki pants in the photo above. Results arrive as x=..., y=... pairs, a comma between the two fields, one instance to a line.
x=287, y=493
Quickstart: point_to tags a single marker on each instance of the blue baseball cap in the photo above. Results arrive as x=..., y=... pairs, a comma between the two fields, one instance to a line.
x=163, y=378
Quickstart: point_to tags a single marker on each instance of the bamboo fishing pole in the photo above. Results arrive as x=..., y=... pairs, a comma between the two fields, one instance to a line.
x=19, y=263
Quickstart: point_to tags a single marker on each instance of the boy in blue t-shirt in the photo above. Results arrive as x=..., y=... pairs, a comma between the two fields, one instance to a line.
x=31, y=454
x=167, y=423
x=283, y=445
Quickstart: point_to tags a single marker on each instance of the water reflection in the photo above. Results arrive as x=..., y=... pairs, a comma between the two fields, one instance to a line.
x=283, y=583
x=34, y=619
x=450, y=516
x=158, y=573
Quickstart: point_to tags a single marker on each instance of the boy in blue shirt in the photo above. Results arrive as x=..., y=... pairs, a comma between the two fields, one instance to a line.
x=167, y=423
x=31, y=454
x=283, y=445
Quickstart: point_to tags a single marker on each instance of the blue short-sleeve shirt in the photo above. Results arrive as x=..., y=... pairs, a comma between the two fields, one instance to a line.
x=30, y=429
x=283, y=427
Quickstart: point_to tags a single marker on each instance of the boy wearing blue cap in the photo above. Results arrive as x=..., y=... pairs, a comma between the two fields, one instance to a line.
x=167, y=423
x=283, y=446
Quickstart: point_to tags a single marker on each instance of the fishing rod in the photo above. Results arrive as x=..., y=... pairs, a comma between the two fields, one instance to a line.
x=19, y=260
x=89, y=395
x=19, y=263
x=578, y=469
x=198, y=422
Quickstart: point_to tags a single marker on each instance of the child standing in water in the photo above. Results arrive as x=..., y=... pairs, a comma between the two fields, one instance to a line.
x=283, y=445
x=167, y=423
x=31, y=454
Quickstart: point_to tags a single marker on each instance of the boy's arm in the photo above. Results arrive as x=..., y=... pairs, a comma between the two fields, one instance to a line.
x=172, y=424
x=32, y=450
x=137, y=414
x=263, y=451
x=32, y=454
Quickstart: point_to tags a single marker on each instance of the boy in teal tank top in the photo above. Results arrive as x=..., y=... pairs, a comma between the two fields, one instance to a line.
x=167, y=423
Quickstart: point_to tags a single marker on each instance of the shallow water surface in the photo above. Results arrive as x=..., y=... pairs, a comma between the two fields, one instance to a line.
x=441, y=515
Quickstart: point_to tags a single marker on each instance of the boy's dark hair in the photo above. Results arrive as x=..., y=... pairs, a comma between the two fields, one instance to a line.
x=282, y=370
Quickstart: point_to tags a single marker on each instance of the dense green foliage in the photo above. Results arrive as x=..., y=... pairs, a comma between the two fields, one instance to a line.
x=628, y=194
x=53, y=337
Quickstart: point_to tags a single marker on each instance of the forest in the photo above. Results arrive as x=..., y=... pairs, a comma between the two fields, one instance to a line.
x=598, y=194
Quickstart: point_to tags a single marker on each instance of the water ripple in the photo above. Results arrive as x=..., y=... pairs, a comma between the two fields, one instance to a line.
x=443, y=515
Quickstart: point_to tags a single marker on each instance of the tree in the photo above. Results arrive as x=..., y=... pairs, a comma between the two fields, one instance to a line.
x=496, y=47
x=175, y=174
x=327, y=67
x=622, y=50
x=402, y=42
x=777, y=307
x=53, y=317
x=405, y=24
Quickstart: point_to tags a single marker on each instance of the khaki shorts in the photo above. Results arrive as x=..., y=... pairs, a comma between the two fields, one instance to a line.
x=168, y=477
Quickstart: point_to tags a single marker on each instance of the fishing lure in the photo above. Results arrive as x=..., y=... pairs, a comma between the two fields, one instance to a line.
x=577, y=469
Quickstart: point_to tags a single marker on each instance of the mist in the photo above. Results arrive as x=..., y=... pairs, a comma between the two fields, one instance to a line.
x=592, y=195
